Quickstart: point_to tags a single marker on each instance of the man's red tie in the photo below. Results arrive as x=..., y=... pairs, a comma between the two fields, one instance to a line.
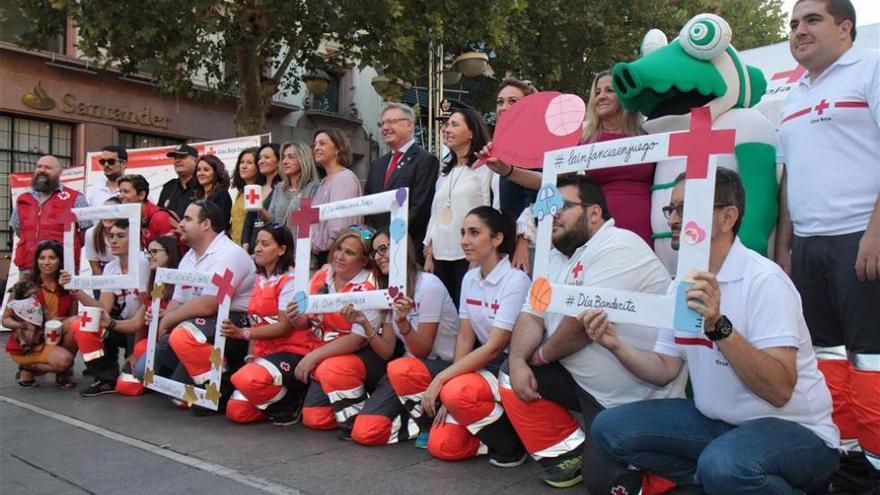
x=395, y=158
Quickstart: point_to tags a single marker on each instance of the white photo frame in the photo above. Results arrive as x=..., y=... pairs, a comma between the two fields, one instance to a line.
x=698, y=144
x=394, y=202
x=209, y=395
x=130, y=212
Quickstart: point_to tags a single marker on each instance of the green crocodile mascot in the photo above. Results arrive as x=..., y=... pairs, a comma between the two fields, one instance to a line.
x=701, y=68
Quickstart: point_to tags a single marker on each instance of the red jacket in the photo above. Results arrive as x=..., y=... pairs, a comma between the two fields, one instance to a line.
x=40, y=222
x=156, y=222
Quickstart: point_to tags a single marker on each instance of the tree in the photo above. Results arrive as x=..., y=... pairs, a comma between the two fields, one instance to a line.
x=561, y=45
x=256, y=48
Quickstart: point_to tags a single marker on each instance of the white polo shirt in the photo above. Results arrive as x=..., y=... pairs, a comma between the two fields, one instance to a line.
x=220, y=255
x=91, y=250
x=764, y=307
x=613, y=258
x=829, y=140
x=128, y=301
x=433, y=305
x=494, y=301
x=101, y=193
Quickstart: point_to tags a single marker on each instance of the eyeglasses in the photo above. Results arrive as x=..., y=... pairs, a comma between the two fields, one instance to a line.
x=566, y=205
x=679, y=209
x=382, y=123
x=380, y=251
x=153, y=252
x=109, y=161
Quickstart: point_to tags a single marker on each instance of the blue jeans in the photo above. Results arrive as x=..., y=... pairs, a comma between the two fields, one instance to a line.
x=671, y=438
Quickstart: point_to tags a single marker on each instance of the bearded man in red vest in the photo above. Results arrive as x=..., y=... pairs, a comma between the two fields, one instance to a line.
x=43, y=212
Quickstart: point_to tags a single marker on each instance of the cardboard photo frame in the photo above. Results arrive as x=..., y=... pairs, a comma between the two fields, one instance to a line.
x=130, y=212
x=207, y=396
x=698, y=144
x=394, y=202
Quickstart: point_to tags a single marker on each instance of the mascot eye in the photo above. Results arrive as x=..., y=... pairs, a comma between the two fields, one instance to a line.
x=705, y=36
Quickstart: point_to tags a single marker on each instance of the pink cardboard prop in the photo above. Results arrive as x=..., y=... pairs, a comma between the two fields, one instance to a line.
x=538, y=123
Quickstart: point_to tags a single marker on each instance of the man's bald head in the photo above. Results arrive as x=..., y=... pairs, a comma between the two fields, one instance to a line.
x=47, y=174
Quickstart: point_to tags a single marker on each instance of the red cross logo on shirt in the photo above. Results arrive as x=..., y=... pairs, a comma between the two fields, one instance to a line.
x=576, y=271
x=224, y=285
x=820, y=108
x=85, y=319
x=619, y=490
x=304, y=218
x=252, y=197
x=494, y=307
x=792, y=75
x=699, y=142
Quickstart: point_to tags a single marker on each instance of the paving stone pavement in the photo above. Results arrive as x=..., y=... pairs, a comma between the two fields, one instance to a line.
x=53, y=441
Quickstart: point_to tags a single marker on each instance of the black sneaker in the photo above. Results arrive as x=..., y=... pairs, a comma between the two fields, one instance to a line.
x=65, y=380
x=98, y=388
x=564, y=473
x=204, y=412
x=514, y=460
x=285, y=420
x=344, y=435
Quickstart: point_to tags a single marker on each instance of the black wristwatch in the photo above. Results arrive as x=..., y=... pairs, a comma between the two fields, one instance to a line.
x=723, y=329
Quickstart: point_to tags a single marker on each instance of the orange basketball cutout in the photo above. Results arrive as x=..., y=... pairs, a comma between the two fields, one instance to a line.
x=539, y=294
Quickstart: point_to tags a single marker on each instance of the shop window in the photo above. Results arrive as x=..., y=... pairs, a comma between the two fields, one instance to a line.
x=22, y=142
x=132, y=140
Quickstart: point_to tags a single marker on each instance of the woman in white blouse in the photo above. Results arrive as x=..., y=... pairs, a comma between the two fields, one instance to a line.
x=460, y=189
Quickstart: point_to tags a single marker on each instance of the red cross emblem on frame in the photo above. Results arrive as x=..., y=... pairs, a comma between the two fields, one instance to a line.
x=700, y=141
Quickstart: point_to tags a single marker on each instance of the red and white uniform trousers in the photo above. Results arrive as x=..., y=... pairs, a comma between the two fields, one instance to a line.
x=266, y=388
x=551, y=433
x=192, y=341
x=476, y=423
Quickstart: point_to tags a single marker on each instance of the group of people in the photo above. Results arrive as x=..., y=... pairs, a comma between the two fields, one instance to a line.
x=787, y=366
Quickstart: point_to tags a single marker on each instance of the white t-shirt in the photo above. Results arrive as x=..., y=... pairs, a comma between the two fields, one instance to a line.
x=829, y=140
x=101, y=193
x=220, y=255
x=764, y=307
x=128, y=301
x=92, y=253
x=433, y=305
x=461, y=190
x=613, y=258
x=494, y=301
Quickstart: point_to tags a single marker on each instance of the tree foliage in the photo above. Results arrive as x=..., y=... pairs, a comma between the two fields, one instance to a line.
x=561, y=45
x=259, y=48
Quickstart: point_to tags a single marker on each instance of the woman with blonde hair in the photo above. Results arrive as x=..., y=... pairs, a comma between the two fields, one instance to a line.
x=299, y=180
x=627, y=189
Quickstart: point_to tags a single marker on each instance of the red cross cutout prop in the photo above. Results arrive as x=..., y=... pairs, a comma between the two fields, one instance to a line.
x=820, y=108
x=700, y=141
x=576, y=271
x=252, y=197
x=791, y=75
x=304, y=218
x=224, y=285
x=85, y=319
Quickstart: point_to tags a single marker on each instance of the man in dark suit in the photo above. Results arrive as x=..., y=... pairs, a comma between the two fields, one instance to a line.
x=407, y=165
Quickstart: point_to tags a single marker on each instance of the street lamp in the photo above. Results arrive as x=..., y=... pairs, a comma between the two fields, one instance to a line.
x=317, y=82
x=471, y=64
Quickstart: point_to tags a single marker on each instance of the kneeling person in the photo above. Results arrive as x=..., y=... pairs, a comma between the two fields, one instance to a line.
x=192, y=312
x=545, y=380
x=760, y=420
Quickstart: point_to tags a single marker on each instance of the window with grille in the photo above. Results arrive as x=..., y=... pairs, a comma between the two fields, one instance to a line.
x=22, y=142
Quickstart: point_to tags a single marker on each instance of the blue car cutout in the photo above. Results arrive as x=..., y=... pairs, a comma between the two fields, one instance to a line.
x=548, y=202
